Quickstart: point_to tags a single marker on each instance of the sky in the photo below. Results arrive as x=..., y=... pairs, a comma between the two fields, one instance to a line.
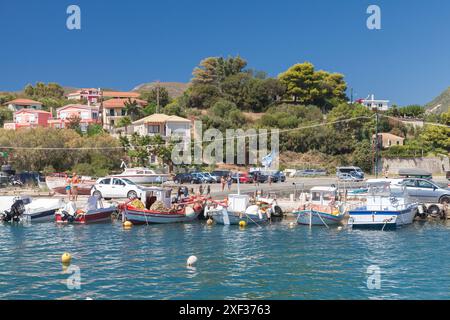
x=125, y=43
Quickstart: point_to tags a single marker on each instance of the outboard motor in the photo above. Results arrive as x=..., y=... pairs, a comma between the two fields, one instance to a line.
x=17, y=209
x=68, y=213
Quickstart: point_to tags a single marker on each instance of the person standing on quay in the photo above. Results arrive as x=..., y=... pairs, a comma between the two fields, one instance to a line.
x=200, y=189
x=68, y=187
x=222, y=181
x=74, y=186
x=229, y=182
x=270, y=179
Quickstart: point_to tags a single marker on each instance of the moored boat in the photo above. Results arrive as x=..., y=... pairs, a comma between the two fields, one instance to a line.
x=321, y=209
x=94, y=212
x=26, y=209
x=236, y=209
x=156, y=206
x=385, y=208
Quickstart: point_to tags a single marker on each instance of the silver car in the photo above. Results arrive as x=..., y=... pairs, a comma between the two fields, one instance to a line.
x=426, y=191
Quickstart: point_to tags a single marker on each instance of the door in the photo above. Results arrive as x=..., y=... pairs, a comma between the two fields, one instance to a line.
x=426, y=191
x=104, y=186
x=119, y=188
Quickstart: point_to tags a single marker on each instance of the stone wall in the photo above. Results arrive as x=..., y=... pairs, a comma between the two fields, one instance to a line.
x=435, y=165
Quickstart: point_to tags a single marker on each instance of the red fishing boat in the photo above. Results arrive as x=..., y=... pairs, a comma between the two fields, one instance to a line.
x=93, y=213
x=156, y=206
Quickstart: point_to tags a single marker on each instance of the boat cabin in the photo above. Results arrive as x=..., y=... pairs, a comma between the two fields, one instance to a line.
x=152, y=194
x=415, y=173
x=323, y=195
x=238, y=202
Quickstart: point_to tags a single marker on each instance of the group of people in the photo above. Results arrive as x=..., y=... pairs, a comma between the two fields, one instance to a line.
x=226, y=181
x=72, y=186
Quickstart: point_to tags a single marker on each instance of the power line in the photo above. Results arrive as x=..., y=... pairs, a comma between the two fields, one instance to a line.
x=194, y=142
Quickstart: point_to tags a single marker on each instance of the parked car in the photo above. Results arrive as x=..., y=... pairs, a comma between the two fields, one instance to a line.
x=218, y=174
x=198, y=177
x=244, y=177
x=424, y=190
x=209, y=175
x=182, y=178
x=278, y=177
x=355, y=173
x=259, y=177
x=111, y=187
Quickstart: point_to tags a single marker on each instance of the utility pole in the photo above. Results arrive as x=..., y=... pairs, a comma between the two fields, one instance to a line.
x=157, y=96
x=376, y=142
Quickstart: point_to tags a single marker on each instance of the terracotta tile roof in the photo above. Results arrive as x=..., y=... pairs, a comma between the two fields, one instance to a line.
x=23, y=102
x=120, y=94
x=120, y=103
x=160, y=118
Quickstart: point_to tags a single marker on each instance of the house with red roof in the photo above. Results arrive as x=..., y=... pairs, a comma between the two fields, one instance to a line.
x=91, y=95
x=28, y=118
x=114, y=109
x=18, y=104
x=87, y=115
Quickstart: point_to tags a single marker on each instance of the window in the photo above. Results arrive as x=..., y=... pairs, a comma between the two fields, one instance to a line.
x=94, y=115
x=409, y=183
x=105, y=181
x=118, y=182
x=111, y=112
x=124, y=112
x=327, y=196
x=153, y=129
x=85, y=115
x=315, y=196
x=424, y=184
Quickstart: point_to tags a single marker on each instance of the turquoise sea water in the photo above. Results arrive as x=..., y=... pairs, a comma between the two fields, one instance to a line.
x=275, y=262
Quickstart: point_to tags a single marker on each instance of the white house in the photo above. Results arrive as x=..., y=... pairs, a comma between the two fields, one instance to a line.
x=372, y=103
x=164, y=125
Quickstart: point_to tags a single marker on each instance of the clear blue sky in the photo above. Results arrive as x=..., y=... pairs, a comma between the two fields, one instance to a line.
x=125, y=43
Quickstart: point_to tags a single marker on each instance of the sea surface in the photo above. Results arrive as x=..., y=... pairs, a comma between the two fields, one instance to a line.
x=273, y=262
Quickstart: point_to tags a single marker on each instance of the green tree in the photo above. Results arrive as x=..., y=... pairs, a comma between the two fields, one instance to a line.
x=307, y=86
x=124, y=122
x=152, y=97
x=133, y=109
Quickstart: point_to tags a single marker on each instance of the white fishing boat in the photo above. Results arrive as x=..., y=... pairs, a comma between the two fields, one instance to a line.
x=237, y=209
x=143, y=175
x=384, y=208
x=26, y=209
x=321, y=208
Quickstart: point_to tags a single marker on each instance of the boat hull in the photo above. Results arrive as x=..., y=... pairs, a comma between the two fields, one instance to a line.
x=137, y=216
x=381, y=220
x=58, y=185
x=317, y=218
x=95, y=216
x=225, y=217
x=144, y=179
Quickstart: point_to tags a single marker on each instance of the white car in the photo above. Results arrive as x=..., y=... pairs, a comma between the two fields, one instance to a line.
x=112, y=187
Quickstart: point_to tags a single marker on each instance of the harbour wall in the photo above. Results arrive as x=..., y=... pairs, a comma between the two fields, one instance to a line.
x=435, y=165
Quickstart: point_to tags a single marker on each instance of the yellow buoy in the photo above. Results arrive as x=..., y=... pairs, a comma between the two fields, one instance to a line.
x=242, y=224
x=127, y=224
x=66, y=258
x=209, y=221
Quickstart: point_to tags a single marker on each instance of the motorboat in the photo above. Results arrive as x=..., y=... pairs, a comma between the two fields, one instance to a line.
x=385, y=207
x=93, y=212
x=27, y=209
x=143, y=175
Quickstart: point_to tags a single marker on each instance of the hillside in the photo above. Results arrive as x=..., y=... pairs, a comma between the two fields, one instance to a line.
x=440, y=104
x=175, y=89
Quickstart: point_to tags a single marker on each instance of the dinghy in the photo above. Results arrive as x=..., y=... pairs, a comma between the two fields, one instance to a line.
x=94, y=212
